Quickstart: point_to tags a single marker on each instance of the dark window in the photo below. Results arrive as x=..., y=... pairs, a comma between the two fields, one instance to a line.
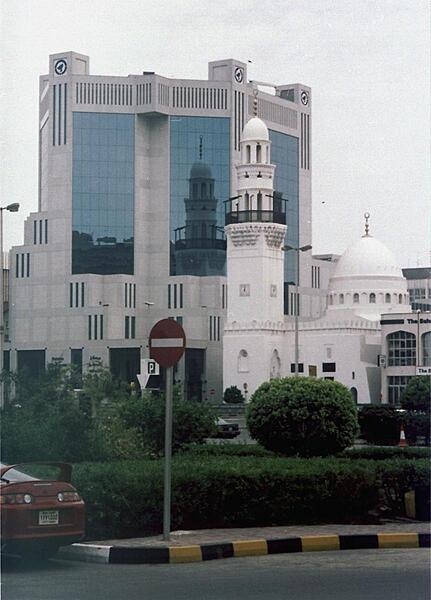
x=76, y=362
x=328, y=367
x=300, y=368
x=31, y=362
x=127, y=327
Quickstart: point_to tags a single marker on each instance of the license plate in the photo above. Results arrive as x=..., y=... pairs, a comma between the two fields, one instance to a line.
x=48, y=517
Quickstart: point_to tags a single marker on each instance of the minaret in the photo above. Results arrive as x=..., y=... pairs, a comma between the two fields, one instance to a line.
x=255, y=230
x=200, y=247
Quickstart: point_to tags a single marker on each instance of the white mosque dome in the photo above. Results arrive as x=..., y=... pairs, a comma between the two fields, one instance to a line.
x=367, y=282
x=367, y=257
x=256, y=130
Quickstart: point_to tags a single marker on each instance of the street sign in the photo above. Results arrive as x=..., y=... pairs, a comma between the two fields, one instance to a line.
x=423, y=370
x=148, y=367
x=167, y=342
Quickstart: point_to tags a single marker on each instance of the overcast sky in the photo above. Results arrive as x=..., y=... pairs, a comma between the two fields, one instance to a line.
x=367, y=62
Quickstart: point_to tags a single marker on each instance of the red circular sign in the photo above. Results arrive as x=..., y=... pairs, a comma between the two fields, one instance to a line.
x=167, y=342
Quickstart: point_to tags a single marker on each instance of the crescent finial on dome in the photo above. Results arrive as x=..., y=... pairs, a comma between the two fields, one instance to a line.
x=367, y=227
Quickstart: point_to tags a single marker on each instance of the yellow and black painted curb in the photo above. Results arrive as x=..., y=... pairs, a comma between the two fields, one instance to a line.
x=308, y=543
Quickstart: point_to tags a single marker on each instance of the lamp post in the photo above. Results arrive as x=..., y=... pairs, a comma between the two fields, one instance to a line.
x=418, y=341
x=14, y=207
x=296, y=312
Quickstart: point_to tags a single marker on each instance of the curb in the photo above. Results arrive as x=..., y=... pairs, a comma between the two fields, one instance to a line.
x=119, y=554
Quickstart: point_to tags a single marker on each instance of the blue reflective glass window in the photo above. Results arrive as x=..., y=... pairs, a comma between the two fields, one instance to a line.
x=103, y=193
x=284, y=155
x=199, y=158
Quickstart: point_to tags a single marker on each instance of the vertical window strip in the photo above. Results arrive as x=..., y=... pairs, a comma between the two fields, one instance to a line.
x=210, y=327
x=218, y=329
x=101, y=327
x=169, y=295
x=40, y=230
x=235, y=119
x=22, y=265
x=82, y=294
x=65, y=115
x=59, y=116
x=134, y=295
x=35, y=232
x=71, y=295
x=126, y=327
x=125, y=295
x=302, y=140
x=54, y=116
x=46, y=231
x=95, y=327
x=76, y=294
x=308, y=141
x=16, y=265
x=133, y=327
x=89, y=327
x=181, y=295
x=175, y=295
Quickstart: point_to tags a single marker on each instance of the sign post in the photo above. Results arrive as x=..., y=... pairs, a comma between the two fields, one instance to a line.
x=167, y=345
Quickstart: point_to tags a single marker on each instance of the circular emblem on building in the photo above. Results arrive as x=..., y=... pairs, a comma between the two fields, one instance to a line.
x=239, y=74
x=304, y=98
x=60, y=66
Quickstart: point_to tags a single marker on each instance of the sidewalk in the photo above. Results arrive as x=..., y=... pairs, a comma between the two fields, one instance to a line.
x=207, y=544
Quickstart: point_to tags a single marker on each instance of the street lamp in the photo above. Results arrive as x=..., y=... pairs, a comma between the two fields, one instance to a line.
x=297, y=250
x=14, y=207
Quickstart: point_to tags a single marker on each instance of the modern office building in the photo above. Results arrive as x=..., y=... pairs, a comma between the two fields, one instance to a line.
x=136, y=176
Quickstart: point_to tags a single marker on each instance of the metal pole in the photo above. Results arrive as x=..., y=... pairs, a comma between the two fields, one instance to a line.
x=418, y=342
x=296, y=313
x=168, y=457
x=1, y=309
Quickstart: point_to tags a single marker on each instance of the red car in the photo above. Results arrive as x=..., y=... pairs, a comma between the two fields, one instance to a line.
x=40, y=509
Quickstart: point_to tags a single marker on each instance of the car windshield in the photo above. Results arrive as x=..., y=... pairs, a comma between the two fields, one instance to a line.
x=15, y=475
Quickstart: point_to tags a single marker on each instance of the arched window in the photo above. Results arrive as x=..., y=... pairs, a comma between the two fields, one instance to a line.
x=331, y=300
x=401, y=349
x=195, y=190
x=387, y=298
x=248, y=153
x=243, y=361
x=247, y=201
x=341, y=298
x=426, y=349
x=203, y=190
x=267, y=154
x=275, y=367
x=354, y=393
x=259, y=201
x=355, y=298
x=400, y=298
x=372, y=298
x=258, y=153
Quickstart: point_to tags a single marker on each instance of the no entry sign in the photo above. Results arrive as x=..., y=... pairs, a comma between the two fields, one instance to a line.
x=167, y=342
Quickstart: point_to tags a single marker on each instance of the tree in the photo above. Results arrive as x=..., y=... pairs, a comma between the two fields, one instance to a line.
x=192, y=421
x=303, y=415
x=417, y=394
x=380, y=424
x=232, y=395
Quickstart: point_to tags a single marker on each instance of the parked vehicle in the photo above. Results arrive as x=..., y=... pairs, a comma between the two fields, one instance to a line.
x=40, y=509
x=226, y=430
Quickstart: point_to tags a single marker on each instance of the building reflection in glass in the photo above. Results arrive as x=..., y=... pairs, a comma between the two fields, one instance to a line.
x=103, y=193
x=199, y=184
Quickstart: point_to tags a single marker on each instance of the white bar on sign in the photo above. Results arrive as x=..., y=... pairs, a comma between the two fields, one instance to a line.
x=167, y=343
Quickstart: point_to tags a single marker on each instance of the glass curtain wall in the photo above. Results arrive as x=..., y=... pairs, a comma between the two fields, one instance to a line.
x=200, y=182
x=284, y=155
x=103, y=193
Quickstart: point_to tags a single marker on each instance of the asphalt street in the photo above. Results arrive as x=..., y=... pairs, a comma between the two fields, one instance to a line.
x=395, y=574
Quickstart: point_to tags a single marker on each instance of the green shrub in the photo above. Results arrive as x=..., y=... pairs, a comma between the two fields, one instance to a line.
x=379, y=424
x=416, y=424
x=232, y=395
x=302, y=415
x=379, y=453
x=125, y=499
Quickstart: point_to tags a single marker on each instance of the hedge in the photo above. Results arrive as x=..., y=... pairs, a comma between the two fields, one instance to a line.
x=125, y=499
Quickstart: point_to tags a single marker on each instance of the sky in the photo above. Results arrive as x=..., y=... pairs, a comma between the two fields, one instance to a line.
x=367, y=62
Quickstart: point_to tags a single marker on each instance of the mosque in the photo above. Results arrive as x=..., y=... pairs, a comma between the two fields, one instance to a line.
x=365, y=338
